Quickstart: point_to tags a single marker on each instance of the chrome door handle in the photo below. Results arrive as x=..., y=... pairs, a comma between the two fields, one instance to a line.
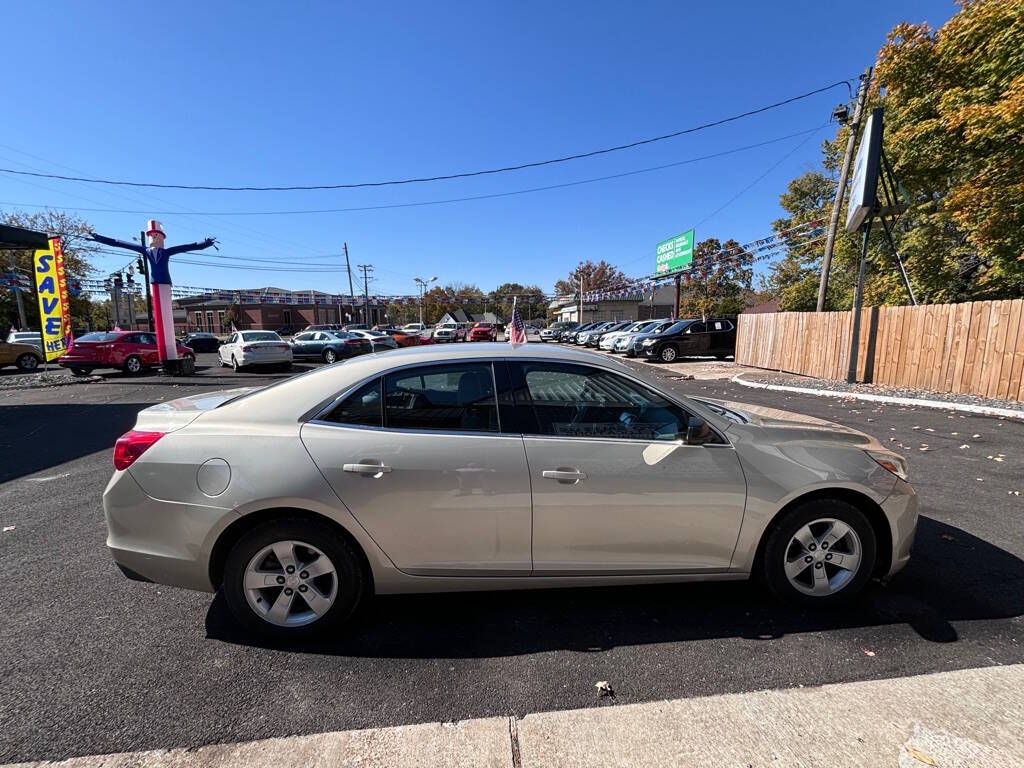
x=366, y=469
x=564, y=475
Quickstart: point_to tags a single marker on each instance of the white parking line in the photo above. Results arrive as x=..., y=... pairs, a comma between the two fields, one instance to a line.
x=965, y=718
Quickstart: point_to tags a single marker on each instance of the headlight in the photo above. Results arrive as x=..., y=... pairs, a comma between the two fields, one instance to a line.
x=891, y=462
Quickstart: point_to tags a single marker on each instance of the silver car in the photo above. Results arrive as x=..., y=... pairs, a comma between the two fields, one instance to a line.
x=434, y=469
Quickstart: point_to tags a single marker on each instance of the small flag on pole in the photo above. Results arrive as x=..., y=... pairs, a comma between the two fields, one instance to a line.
x=516, y=328
x=233, y=329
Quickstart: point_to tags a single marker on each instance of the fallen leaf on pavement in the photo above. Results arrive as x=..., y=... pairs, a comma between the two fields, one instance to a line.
x=9, y=528
x=965, y=445
x=867, y=652
x=604, y=688
x=1011, y=493
x=919, y=756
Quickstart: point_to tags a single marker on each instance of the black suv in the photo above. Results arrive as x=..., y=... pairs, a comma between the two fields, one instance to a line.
x=692, y=338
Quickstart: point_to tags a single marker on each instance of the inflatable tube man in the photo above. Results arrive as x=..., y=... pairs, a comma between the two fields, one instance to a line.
x=160, y=285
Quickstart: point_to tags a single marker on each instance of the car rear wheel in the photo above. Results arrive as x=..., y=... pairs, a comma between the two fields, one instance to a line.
x=668, y=354
x=27, y=362
x=234, y=364
x=132, y=365
x=292, y=579
x=330, y=356
x=80, y=371
x=823, y=552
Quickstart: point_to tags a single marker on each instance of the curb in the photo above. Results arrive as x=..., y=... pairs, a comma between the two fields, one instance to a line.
x=981, y=410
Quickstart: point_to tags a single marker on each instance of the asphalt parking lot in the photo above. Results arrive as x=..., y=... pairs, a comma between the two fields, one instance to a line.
x=94, y=663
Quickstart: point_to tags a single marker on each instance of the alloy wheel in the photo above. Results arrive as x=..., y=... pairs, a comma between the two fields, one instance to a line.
x=133, y=364
x=290, y=583
x=668, y=354
x=28, y=363
x=822, y=557
x=330, y=356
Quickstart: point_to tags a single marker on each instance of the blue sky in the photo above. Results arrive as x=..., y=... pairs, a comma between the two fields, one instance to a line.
x=332, y=92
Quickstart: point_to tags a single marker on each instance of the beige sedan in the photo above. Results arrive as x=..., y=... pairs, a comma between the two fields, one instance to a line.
x=482, y=467
x=25, y=356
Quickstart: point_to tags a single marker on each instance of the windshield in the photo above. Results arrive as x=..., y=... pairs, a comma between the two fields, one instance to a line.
x=679, y=326
x=343, y=335
x=649, y=327
x=260, y=336
x=95, y=337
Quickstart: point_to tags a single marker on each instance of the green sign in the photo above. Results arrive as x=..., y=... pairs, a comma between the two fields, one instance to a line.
x=674, y=254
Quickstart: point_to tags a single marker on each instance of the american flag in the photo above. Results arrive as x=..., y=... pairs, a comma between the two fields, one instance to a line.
x=516, y=328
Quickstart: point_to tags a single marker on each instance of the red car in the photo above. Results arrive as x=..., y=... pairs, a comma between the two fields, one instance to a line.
x=483, y=332
x=130, y=351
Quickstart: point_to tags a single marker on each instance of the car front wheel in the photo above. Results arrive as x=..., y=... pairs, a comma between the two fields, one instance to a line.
x=668, y=354
x=330, y=356
x=292, y=579
x=27, y=362
x=822, y=552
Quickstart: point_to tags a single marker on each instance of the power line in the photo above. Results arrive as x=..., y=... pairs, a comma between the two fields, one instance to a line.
x=443, y=177
x=445, y=201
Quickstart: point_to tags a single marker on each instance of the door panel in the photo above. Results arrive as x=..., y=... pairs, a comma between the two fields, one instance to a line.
x=451, y=504
x=642, y=507
x=614, y=488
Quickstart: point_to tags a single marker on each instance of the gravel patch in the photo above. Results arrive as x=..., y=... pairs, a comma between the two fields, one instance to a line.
x=44, y=380
x=831, y=385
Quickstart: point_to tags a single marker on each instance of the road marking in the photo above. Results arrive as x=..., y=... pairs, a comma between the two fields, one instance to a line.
x=967, y=717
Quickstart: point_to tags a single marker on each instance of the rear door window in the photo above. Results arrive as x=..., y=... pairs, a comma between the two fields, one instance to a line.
x=453, y=398
x=362, y=408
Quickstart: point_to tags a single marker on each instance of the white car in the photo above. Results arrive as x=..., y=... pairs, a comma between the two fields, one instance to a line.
x=533, y=334
x=255, y=348
x=26, y=337
x=414, y=327
x=609, y=339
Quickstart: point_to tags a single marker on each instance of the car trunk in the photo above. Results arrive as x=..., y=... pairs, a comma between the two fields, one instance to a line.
x=264, y=348
x=175, y=414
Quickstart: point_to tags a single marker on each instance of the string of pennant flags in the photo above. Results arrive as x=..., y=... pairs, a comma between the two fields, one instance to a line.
x=714, y=264
x=761, y=249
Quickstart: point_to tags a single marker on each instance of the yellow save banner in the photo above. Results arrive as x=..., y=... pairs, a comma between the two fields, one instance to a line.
x=52, y=290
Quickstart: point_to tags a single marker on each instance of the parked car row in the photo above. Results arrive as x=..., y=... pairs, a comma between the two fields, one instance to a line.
x=662, y=340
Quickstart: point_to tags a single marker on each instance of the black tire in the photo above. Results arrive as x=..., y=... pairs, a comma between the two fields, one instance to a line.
x=351, y=581
x=774, y=554
x=330, y=356
x=80, y=371
x=132, y=365
x=27, y=362
x=285, y=367
x=668, y=354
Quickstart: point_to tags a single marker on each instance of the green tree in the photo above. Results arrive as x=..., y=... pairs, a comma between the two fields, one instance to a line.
x=595, y=277
x=719, y=283
x=74, y=232
x=954, y=118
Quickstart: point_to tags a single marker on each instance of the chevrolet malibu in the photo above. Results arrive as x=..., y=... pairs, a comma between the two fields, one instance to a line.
x=491, y=468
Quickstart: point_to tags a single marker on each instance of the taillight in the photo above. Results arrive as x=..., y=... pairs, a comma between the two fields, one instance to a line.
x=246, y=348
x=353, y=341
x=131, y=445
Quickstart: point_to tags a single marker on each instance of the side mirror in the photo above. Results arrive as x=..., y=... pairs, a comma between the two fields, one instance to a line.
x=697, y=431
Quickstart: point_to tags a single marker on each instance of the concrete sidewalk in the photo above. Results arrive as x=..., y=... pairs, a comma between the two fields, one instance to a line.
x=971, y=717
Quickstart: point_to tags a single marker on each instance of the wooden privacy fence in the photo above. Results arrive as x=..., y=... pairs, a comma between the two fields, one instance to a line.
x=974, y=348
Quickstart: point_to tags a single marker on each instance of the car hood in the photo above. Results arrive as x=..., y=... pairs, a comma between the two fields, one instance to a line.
x=175, y=414
x=784, y=426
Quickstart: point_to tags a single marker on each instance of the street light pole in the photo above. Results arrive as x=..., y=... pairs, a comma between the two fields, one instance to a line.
x=423, y=287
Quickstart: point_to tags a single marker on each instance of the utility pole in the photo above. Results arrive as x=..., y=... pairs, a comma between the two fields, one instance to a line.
x=844, y=172
x=144, y=269
x=679, y=295
x=366, y=269
x=581, y=300
x=348, y=268
x=22, y=322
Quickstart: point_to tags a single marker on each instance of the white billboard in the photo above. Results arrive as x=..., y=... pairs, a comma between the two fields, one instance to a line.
x=864, y=184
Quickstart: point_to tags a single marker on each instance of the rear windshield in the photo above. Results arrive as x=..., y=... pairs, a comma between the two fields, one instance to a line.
x=99, y=337
x=260, y=336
